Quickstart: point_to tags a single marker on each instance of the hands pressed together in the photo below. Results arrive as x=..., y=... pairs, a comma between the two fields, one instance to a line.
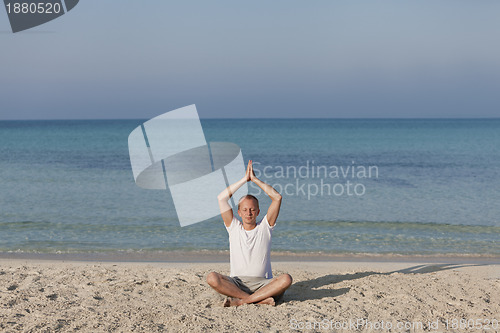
x=250, y=175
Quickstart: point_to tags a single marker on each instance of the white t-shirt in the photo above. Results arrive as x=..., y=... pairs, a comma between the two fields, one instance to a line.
x=250, y=251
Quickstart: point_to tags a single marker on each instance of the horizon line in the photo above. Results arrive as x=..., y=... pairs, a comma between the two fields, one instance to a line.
x=269, y=118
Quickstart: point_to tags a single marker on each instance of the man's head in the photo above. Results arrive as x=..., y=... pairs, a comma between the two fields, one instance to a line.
x=248, y=209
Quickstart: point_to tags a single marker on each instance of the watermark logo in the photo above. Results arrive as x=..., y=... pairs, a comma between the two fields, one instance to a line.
x=26, y=14
x=310, y=180
x=170, y=151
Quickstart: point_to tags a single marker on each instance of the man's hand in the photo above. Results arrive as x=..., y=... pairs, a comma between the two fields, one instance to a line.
x=250, y=175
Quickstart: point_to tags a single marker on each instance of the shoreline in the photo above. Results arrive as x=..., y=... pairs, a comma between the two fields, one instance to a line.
x=223, y=257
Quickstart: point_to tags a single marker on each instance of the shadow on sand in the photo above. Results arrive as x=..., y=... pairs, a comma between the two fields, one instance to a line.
x=312, y=289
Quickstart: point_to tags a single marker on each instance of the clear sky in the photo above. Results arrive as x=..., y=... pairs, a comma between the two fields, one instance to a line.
x=246, y=59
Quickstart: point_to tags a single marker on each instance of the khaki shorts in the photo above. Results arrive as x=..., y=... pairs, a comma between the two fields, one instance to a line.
x=251, y=284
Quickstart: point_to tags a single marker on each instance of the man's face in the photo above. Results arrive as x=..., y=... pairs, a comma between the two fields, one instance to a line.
x=248, y=211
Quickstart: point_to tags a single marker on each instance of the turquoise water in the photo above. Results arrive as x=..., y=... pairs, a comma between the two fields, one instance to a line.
x=419, y=187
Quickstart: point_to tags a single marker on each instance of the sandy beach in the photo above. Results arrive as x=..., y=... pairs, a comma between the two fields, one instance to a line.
x=48, y=295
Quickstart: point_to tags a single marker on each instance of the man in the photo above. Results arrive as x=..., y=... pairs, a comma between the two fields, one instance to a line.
x=251, y=279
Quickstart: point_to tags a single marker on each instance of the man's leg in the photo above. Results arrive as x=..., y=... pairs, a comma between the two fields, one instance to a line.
x=264, y=295
x=223, y=286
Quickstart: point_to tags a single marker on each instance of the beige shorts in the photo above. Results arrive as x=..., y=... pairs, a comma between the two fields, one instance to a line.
x=251, y=284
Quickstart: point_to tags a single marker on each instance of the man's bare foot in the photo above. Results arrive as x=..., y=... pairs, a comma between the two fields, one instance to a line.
x=267, y=301
x=230, y=301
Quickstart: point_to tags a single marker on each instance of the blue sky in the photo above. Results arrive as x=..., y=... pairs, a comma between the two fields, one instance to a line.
x=280, y=58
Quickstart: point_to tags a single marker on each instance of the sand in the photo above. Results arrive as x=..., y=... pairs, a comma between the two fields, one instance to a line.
x=47, y=296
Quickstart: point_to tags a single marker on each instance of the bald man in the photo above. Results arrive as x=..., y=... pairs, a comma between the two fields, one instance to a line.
x=251, y=278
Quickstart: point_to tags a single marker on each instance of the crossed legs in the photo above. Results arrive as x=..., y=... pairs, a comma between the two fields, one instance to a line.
x=264, y=295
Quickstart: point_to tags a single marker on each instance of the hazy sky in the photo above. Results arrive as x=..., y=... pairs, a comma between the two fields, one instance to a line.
x=277, y=58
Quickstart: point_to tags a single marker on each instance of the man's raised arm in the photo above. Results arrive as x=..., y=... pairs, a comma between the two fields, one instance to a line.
x=225, y=209
x=274, y=208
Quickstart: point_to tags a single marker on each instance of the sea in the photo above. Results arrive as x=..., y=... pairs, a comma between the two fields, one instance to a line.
x=349, y=186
